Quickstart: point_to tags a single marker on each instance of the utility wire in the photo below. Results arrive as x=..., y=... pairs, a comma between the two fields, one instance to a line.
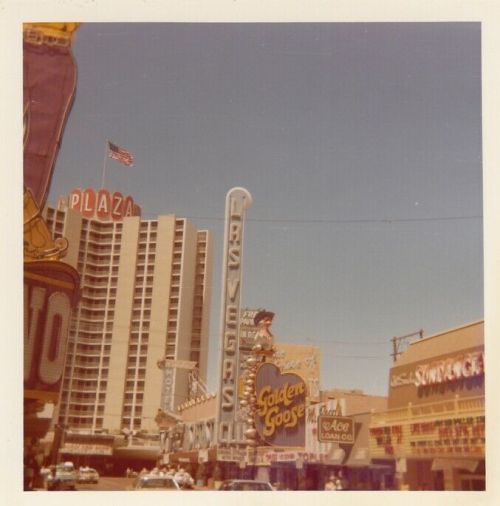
x=331, y=220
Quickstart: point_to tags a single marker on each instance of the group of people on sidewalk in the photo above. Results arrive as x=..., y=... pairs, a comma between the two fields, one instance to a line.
x=336, y=482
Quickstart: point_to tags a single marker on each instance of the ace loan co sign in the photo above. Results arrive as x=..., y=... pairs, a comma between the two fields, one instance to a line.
x=335, y=429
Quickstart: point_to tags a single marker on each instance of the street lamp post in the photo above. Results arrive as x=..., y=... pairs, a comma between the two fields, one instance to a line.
x=58, y=443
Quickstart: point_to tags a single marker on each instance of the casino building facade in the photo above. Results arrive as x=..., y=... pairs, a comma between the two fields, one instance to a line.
x=145, y=296
x=434, y=428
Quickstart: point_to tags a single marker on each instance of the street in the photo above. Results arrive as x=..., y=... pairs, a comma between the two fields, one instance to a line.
x=111, y=483
x=107, y=483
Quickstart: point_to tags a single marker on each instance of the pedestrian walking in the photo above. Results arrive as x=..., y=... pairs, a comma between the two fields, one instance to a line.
x=331, y=483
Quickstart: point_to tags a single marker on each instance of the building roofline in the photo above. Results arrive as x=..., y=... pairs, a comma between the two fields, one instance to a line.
x=447, y=331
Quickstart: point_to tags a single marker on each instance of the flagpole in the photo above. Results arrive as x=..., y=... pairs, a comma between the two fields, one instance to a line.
x=104, y=163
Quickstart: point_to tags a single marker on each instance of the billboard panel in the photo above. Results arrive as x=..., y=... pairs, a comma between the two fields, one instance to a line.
x=302, y=360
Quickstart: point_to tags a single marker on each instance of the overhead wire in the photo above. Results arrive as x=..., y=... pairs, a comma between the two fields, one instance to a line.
x=333, y=220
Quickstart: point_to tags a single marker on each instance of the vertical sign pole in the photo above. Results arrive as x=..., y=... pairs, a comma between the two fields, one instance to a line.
x=237, y=201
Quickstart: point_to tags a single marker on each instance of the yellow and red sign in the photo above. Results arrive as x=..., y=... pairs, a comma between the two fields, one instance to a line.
x=281, y=406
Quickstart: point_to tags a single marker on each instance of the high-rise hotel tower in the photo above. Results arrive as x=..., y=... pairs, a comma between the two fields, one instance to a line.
x=145, y=296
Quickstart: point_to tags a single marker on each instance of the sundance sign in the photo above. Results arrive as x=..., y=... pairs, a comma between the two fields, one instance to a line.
x=103, y=204
x=281, y=404
x=335, y=429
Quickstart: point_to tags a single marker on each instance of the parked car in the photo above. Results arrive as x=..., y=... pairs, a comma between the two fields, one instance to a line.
x=155, y=482
x=245, y=485
x=62, y=477
x=87, y=475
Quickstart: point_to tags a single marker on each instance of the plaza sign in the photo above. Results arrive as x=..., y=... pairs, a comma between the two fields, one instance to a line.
x=103, y=204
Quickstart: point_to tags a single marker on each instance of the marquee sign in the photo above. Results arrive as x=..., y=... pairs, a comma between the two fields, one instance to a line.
x=265, y=456
x=248, y=329
x=86, y=449
x=281, y=406
x=455, y=368
x=103, y=204
x=229, y=430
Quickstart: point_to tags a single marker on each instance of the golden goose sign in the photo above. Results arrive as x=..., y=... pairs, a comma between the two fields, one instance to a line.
x=281, y=405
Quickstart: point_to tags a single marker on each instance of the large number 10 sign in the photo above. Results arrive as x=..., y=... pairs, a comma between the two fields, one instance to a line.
x=50, y=291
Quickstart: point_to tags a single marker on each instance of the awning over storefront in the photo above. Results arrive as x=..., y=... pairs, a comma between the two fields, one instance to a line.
x=449, y=464
x=360, y=457
x=87, y=444
x=137, y=452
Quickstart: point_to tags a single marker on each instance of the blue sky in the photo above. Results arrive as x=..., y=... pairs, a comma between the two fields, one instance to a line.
x=361, y=147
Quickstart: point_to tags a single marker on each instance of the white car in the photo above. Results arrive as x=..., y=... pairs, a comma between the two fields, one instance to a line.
x=62, y=477
x=155, y=482
x=87, y=475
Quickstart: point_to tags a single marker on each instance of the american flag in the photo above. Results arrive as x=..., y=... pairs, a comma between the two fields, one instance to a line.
x=120, y=154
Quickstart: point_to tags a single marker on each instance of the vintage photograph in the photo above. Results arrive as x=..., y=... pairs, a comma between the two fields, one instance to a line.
x=253, y=256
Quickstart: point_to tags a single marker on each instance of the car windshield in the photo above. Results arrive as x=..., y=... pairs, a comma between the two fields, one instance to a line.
x=157, y=483
x=63, y=468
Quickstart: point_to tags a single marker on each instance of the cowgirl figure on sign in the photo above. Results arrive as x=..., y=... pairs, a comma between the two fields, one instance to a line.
x=263, y=339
